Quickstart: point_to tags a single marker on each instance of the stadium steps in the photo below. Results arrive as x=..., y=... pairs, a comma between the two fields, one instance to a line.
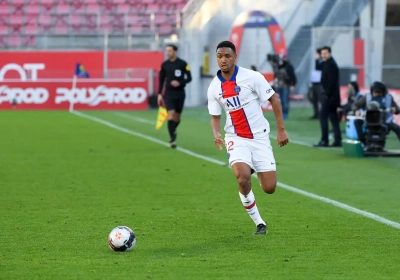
x=333, y=13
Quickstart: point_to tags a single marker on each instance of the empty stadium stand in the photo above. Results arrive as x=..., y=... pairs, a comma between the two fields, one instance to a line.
x=22, y=21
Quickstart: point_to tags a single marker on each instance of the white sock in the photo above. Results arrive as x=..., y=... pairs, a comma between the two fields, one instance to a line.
x=249, y=203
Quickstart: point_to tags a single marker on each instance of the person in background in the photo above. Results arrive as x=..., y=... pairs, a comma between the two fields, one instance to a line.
x=353, y=94
x=330, y=100
x=378, y=94
x=285, y=81
x=174, y=76
x=316, y=83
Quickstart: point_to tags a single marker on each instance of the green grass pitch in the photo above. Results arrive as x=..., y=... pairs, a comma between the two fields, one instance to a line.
x=66, y=182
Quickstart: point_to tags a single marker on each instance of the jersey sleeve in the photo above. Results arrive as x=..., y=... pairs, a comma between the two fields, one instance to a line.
x=262, y=87
x=214, y=108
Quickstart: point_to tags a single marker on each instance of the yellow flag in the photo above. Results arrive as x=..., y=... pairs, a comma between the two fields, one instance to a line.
x=162, y=116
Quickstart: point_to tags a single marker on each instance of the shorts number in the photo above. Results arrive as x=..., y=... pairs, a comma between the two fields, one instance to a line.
x=230, y=144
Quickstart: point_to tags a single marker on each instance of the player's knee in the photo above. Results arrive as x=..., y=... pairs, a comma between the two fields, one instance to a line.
x=243, y=182
x=171, y=115
x=269, y=187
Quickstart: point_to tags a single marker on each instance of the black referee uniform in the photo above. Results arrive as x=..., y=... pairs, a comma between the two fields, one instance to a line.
x=174, y=97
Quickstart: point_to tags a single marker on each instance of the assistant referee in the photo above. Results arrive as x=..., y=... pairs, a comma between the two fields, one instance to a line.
x=175, y=74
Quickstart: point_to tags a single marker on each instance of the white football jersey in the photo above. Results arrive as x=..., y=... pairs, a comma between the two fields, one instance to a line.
x=241, y=97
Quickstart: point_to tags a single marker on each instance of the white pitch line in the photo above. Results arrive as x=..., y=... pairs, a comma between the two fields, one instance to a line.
x=283, y=186
x=141, y=120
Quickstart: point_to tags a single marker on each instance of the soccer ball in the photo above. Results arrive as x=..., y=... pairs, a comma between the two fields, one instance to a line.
x=121, y=239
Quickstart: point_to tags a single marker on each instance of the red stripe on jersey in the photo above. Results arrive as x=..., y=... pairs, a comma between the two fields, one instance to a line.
x=250, y=206
x=228, y=89
x=240, y=123
x=239, y=118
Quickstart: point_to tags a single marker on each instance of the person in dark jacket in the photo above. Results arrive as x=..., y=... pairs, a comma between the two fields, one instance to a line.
x=285, y=81
x=316, y=83
x=330, y=100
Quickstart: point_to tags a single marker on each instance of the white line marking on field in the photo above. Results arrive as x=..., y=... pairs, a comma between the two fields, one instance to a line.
x=283, y=186
x=141, y=120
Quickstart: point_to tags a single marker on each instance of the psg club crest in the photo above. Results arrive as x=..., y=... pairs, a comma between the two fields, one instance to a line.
x=236, y=89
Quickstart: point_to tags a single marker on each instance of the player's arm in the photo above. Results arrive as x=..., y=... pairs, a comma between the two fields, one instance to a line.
x=283, y=138
x=395, y=107
x=161, y=85
x=266, y=93
x=188, y=75
x=216, y=128
x=360, y=103
x=215, y=111
x=161, y=78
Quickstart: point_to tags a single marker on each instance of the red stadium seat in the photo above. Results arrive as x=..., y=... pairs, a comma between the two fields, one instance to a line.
x=31, y=29
x=17, y=7
x=92, y=8
x=63, y=7
x=44, y=23
x=160, y=18
x=47, y=6
x=61, y=29
x=124, y=8
x=14, y=41
x=4, y=9
x=26, y=18
x=78, y=5
x=32, y=7
x=152, y=8
x=3, y=29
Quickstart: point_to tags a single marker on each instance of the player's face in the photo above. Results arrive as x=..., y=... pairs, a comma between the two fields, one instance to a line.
x=226, y=59
x=171, y=54
x=325, y=54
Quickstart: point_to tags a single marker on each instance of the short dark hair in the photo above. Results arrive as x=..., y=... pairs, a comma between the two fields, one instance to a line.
x=175, y=48
x=226, y=44
x=326, y=48
x=319, y=50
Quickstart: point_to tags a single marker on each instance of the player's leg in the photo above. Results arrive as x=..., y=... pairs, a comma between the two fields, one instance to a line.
x=267, y=181
x=264, y=163
x=240, y=160
x=243, y=175
x=170, y=106
x=180, y=102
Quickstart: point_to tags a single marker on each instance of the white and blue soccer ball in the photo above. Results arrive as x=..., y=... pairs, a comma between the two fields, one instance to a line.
x=121, y=239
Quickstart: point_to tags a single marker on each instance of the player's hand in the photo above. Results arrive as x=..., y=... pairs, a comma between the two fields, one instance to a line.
x=283, y=138
x=393, y=110
x=291, y=88
x=218, y=141
x=160, y=100
x=175, y=83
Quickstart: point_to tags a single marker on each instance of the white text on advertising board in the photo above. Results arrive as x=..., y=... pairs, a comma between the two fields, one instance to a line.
x=94, y=96
x=21, y=70
x=24, y=95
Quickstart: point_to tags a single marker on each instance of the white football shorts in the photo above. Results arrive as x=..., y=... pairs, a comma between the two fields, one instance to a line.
x=257, y=153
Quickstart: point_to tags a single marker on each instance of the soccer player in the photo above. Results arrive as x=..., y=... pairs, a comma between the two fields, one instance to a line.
x=175, y=74
x=241, y=92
